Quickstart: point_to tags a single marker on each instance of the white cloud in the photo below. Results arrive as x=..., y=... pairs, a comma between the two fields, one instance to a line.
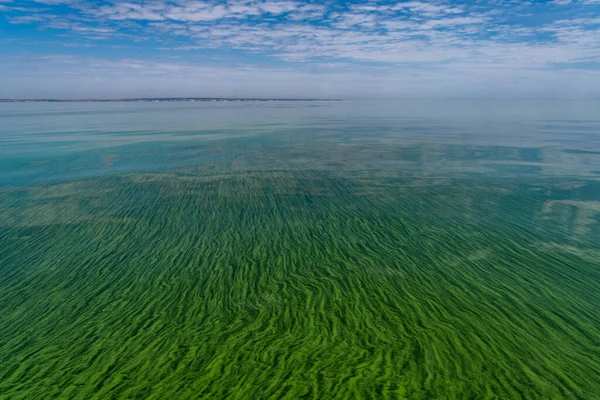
x=425, y=40
x=71, y=76
x=278, y=7
x=196, y=11
x=428, y=8
x=561, y=2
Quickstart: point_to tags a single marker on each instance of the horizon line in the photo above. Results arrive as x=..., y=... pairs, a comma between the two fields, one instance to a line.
x=159, y=99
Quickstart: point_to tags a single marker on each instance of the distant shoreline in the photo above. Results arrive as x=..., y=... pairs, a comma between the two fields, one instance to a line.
x=156, y=100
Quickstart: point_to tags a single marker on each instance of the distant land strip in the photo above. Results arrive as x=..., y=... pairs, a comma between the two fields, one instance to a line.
x=154, y=100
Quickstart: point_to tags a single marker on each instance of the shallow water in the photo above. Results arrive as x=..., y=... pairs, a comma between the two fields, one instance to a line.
x=414, y=250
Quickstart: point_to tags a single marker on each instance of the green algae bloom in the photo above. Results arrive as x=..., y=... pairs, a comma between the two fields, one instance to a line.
x=297, y=252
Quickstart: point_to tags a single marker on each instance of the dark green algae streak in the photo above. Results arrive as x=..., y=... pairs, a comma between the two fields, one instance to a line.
x=287, y=269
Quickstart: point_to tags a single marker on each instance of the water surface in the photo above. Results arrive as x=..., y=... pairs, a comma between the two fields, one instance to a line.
x=401, y=250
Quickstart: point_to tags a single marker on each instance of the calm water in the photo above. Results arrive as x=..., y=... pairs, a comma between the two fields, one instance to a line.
x=385, y=250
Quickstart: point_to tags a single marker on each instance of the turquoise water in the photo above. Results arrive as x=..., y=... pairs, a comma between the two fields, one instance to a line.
x=318, y=250
x=552, y=138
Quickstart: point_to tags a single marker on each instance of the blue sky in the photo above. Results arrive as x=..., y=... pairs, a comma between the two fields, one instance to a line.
x=352, y=49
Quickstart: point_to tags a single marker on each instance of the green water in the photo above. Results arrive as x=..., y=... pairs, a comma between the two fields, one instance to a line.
x=308, y=250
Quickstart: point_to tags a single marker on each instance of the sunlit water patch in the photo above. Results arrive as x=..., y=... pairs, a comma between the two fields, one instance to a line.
x=334, y=250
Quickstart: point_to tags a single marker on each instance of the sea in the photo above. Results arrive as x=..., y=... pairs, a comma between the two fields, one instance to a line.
x=443, y=249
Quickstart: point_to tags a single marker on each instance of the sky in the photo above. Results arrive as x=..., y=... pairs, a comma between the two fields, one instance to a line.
x=498, y=49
